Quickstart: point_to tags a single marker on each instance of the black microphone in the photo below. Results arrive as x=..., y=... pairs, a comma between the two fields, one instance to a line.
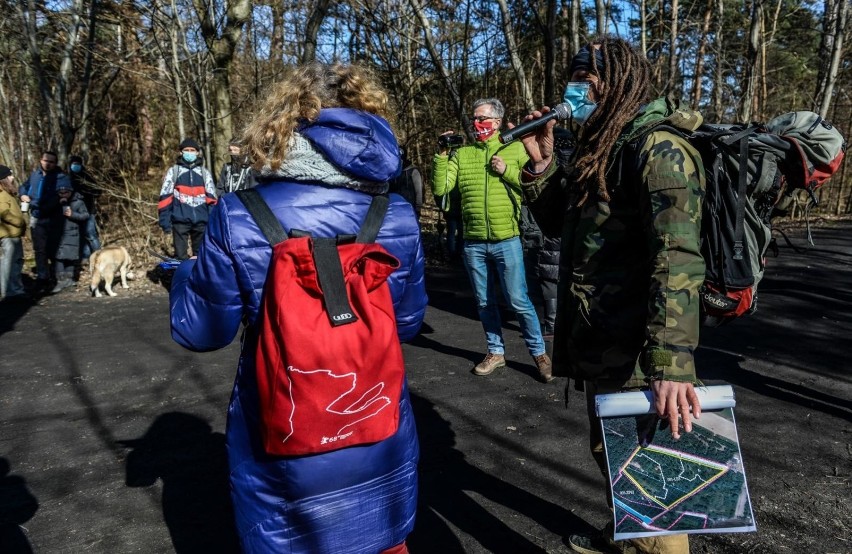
x=559, y=111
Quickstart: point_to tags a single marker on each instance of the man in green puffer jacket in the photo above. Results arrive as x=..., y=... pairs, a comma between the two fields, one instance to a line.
x=487, y=174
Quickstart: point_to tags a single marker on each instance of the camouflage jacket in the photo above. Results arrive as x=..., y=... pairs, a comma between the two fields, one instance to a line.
x=630, y=268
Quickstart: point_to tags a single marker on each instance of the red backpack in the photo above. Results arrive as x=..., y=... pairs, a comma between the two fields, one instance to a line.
x=329, y=362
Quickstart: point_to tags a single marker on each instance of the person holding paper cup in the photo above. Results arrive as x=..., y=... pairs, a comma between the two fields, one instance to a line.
x=12, y=226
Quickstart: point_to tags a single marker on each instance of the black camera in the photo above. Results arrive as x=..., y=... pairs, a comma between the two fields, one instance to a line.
x=450, y=141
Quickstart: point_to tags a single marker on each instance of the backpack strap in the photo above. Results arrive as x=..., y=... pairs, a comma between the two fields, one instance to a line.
x=329, y=270
x=742, y=185
x=742, y=137
x=263, y=216
x=739, y=228
x=332, y=282
x=325, y=254
x=373, y=221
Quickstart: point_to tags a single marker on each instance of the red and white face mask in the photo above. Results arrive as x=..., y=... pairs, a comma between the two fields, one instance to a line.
x=484, y=129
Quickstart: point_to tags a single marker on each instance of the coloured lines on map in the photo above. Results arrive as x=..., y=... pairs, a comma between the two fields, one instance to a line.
x=694, y=485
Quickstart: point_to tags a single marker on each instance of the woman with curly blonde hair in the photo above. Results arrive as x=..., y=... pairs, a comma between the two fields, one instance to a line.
x=322, y=148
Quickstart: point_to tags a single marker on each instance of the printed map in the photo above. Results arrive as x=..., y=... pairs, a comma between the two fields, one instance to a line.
x=694, y=485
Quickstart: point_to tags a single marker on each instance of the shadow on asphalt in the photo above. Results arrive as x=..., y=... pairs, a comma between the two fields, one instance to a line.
x=726, y=367
x=449, y=290
x=422, y=340
x=17, y=506
x=451, y=493
x=800, y=308
x=11, y=311
x=182, y=451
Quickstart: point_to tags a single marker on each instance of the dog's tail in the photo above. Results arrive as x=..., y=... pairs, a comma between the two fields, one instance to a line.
x=96, y=273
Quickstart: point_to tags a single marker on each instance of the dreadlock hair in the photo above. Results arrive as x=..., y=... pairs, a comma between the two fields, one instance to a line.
x=624, y=86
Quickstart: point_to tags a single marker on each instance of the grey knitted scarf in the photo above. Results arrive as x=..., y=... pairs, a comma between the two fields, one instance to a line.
x=305, y=163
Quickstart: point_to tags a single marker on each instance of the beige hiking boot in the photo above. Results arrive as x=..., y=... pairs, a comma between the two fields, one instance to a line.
x=544, y=366
x=489, y=364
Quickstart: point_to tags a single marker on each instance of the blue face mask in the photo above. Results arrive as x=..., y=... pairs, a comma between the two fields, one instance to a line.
x=577, y=96
x=76, y=168
x=189, y=157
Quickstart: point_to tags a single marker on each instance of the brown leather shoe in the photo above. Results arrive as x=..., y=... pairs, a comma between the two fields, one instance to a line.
x=489, y=364
x=545, y=367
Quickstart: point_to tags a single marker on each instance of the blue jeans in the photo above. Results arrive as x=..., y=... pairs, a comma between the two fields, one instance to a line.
x=11, y=264
x=486, y=261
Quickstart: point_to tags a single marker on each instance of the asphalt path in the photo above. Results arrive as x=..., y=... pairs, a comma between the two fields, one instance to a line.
x=111, y=435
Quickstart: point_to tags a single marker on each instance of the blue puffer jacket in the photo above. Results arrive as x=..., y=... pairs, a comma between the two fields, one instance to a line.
x=358, y=499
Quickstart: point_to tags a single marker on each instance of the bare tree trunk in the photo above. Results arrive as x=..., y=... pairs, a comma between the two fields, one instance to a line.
x=517, y=66
x=175, y=72
x=312, y=28
x=55, y=97
x=768, y=39
x=673, y=51
x=465, y=57
x=222, y=50
x=831, y=50
x=751, y=60
x=87, y=79
x=436, y=59
x=656, y=43
x=600, y=17
x=276, y=41
x=66, y=68
x=146, y=130
x=718, y=74
x=550, y=76
x=761, y=92
x=702, y=52
x=643, y=27
x=575, y=27
x=6, y=133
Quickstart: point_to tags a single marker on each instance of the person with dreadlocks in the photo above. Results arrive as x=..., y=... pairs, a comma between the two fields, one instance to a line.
x=627, y=205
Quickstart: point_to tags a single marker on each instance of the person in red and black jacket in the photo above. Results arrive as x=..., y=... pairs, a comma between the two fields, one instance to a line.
x=187, y=196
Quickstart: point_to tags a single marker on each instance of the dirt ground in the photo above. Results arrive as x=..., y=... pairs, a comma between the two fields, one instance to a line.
x=111, y=436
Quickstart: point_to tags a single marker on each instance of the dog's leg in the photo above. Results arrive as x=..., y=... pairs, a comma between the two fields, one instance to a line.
x=123, y=271
x=108, y=280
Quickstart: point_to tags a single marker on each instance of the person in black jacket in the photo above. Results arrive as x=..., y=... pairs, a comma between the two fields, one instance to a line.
x=84, y=185
x=409, y=184
x=541, y=261
x=68, y=222
x=237, y=174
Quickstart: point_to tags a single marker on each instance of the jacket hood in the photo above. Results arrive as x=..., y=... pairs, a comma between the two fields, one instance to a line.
x=655, y=112
x=359, y=143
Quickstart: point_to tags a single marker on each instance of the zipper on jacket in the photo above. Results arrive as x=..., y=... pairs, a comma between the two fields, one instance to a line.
x=191, y=184
x=487, y=180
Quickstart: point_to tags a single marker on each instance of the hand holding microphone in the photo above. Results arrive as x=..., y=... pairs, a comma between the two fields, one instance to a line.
x=559, y=111
x=539, y=146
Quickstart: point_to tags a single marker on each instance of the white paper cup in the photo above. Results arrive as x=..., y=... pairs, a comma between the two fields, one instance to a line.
x=25, y=206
